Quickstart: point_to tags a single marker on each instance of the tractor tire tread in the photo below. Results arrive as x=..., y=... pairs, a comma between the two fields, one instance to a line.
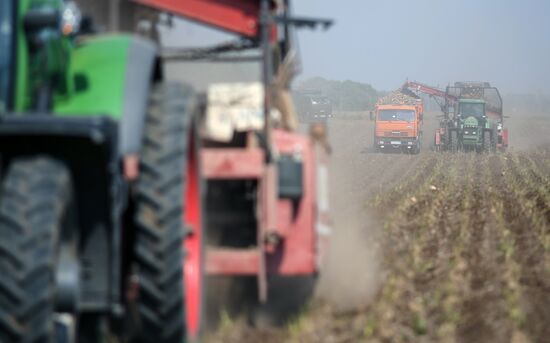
x=158, y=255
x=35, y=194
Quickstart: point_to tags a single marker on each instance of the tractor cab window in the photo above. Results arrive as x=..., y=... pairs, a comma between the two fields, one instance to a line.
x=472, y=109
x=6, y=51
x=396, y=115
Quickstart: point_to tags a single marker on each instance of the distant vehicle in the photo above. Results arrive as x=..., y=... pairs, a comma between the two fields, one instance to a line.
x=398, y=123
x=313, y=106
x=473, y=118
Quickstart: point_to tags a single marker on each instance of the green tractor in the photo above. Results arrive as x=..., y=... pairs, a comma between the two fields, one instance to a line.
x=93, y=145
x=471, y=129
x=473, y=119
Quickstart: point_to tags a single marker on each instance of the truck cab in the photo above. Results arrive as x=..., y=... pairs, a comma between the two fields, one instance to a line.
x=398, y=127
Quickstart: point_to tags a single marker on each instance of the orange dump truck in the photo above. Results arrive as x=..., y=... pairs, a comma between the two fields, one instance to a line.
x=398, y=122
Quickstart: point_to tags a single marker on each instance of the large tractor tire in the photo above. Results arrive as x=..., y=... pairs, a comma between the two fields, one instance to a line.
x=35, y=207
x=158, y=251
x=453, y=141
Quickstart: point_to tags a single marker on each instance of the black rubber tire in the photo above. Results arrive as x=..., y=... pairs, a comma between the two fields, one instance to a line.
x=159, y=229
x=36, y=198
x=453, y=141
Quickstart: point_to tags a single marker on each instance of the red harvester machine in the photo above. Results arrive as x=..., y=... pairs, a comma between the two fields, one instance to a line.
x=256, y=196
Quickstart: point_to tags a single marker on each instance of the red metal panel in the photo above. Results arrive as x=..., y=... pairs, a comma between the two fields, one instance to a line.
x=269, y=196
x=505, y=137
x=238, y=16
x=296, y=255
x=232, y=163
x=225, y=261
x=193, y=243
x=284, y=217
x=265, y=214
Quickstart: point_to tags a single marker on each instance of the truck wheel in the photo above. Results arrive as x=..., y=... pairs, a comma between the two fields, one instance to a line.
x=454, y=141
x=159, y=231
x=487, y=142
x=34, y=209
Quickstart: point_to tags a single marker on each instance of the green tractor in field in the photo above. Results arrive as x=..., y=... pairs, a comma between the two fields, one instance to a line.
x=92, y=145
x=473, y=119
x=471, y=129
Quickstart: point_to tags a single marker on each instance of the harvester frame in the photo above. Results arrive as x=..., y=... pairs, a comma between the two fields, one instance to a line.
x=281, y=170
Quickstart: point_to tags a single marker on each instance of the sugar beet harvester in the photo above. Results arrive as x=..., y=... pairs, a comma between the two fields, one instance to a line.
x=473, y=116
x=109, y=192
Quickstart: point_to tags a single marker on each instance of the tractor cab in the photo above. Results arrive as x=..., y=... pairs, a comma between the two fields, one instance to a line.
x=471, y=114
x=471, y=108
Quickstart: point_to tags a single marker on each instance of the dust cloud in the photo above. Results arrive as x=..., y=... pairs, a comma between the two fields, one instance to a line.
x=350, y=276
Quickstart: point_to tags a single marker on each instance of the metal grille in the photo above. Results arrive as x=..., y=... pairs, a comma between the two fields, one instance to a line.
x=395, y=134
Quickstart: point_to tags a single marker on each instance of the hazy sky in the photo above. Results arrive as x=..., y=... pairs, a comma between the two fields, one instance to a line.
x=383, y=42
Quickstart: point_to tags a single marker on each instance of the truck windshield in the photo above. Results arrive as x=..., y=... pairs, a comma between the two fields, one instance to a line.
x=396, y=115
x=6, y=41
x=472, y=109
x=321, y=100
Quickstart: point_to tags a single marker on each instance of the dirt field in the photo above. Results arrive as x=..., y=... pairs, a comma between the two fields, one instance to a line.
x=430, y=248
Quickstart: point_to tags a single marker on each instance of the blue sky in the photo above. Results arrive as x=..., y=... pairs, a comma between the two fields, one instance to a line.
x=436, y=41
x=383, y=42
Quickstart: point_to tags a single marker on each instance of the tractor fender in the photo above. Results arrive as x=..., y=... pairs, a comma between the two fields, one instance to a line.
x=142, y=55
x=112, y=75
